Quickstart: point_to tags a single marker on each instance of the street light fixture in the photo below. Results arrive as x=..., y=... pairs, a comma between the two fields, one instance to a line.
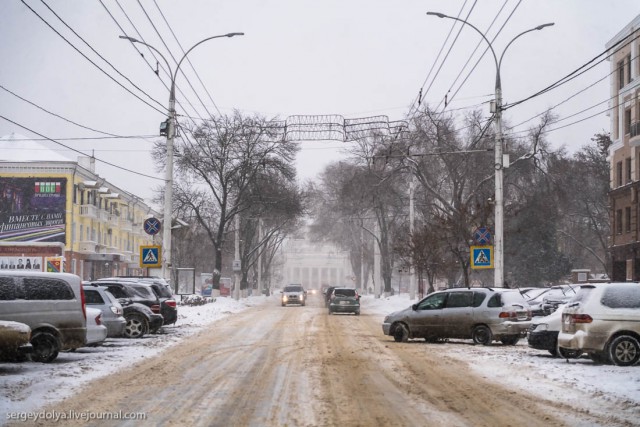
x=498, y=239
x=168, y=194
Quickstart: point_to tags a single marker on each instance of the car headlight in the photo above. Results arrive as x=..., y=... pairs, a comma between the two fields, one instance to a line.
x=284, y=298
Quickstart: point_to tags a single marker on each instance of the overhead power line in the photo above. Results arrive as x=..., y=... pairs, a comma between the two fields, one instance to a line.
x=78, y=151
x=90, y=60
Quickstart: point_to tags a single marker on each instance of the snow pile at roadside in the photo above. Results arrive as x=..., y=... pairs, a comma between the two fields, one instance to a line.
x=25, y=387
x=577, y=382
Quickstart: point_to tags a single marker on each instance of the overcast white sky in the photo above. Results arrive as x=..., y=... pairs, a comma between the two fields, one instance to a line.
x=355, y=58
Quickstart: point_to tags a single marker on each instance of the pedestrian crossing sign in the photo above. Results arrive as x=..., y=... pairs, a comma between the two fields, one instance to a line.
x=481, y=257
x=150, y=256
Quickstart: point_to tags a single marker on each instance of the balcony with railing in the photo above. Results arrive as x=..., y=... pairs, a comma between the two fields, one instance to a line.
x=87, y=246
x=125, y=224
x=89, y=211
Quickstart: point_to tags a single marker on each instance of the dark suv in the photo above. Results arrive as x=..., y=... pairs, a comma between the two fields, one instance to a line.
x=136, y=292
x=168, y=306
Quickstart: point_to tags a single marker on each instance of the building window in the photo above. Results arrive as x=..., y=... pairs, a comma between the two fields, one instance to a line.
x=628, y=169
x=627, y=121
x=627, y=219
x=628, y=68
x=619, y=221
x=619, y=174
x=620, y=74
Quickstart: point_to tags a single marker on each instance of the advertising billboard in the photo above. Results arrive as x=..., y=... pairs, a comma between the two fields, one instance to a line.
x=32, y=209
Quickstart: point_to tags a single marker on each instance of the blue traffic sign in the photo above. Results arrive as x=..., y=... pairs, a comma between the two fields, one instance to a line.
x=152, y=226
x=150, y=256
x=481, y=257
x=482, y=236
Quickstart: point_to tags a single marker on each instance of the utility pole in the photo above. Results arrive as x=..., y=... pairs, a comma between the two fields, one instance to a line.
x=259, y=290
x=376, y=262
x=412, y=278
x=236, y=263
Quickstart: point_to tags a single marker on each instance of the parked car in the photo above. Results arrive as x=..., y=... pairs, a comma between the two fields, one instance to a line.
x=293, y=294
x=140, y=318
x=603, y=321
x=14, y=340
x=51, y=304
x=138, y=292
x=168, y=305
x=344, y=300
x=540, y=305
x=480, y=314
x=96, y=331
x=543, y=335
x=112, y=312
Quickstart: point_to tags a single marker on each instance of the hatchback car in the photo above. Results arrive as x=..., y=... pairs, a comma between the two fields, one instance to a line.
x=112, y=312
x=344, y=300
x=481, y=314
x=603, y=321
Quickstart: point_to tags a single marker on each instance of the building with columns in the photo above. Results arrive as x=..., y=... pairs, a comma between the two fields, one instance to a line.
x=624, y=153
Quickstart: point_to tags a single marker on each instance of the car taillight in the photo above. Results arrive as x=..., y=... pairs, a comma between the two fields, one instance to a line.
x=508, y=315
x=82, y=300
x=171, y=303
x=98, y=321
x=581, y=318
x=155, y=308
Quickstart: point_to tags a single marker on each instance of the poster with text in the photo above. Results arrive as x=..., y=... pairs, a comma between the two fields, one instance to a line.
x=32, y=209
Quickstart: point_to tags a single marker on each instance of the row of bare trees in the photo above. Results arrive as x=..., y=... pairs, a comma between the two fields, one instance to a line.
x=233, y=167
x=555, y=204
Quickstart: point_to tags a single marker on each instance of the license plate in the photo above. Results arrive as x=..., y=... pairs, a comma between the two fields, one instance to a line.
x=344, y=302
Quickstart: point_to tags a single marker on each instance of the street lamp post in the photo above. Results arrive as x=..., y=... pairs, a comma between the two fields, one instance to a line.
x=498, y=239
x=168, y=194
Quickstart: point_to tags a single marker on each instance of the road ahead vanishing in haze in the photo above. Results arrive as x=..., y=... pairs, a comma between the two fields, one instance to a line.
x=299, y=366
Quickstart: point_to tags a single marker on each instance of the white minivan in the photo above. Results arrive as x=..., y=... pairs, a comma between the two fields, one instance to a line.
x=51, y=304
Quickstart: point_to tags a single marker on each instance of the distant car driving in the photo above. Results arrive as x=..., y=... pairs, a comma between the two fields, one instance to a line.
x=293, y=294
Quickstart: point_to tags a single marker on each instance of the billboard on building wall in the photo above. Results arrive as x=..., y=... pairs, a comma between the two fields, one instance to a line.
x=32, y=209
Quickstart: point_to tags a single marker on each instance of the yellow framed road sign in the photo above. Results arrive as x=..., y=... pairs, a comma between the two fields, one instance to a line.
x=481, y=257
x=150, y=256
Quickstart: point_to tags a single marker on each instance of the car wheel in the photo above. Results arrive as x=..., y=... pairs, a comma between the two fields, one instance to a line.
x=401, y=333
x=510, y=340
x=45, y=347
x=357, y=313
x=599, y=357
x=136, y=327
x=624, y=350
x=482, y=335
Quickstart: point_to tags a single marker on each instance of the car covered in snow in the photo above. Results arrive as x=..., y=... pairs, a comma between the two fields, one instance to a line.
x=14, y=340
x=480, y=314
x=51, y=304
x=603, y=320
x=96, y=331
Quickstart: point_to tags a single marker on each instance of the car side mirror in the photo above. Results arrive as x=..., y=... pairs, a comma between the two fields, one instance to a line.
x=414, y=307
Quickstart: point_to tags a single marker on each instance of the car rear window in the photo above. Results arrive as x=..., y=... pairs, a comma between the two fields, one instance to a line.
x=91, y=296
x=622, y=296
x=344, y=292
x=162, y=291
x=143, y=292
x=512, y=297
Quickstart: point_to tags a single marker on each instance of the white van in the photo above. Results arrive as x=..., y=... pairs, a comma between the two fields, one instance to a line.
x=51, y=304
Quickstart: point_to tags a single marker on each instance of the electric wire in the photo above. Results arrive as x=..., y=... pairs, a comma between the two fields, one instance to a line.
x=483, y=53
x=174, y=60
x=99, y=55
x=188, y=60
x=159, y=65
x=89, y=59
x=57, y=115
x=418, y=98
x=78, y=151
